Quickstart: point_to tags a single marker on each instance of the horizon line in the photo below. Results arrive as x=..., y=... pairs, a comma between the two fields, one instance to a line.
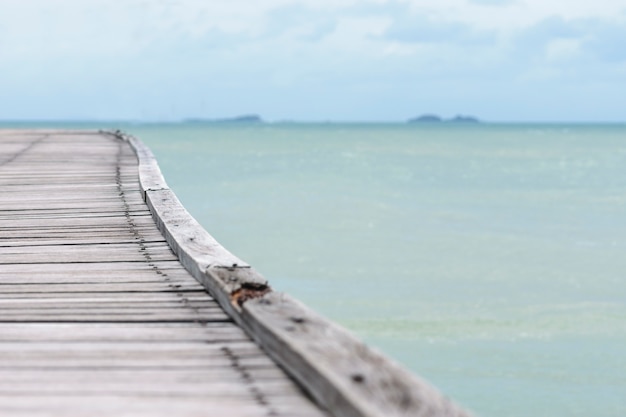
x=223, y=121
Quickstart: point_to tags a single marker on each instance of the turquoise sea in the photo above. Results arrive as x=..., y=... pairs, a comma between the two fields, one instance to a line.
x=489, y=259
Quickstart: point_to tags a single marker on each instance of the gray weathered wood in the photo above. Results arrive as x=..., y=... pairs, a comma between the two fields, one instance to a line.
x=97, y=315
x=36, y=333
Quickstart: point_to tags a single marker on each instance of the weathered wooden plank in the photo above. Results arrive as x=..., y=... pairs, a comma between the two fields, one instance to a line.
x=210, y=388
x=78, y=239
x=102, y=222
x=73, y=232
x=146, y=279
x=125, y=351
x=171, y=267
x=118, y=317
x=148, y=293
x=49, y=178
x=183, y=377
x=94, y=246
x=150, y=176
x=59, y=175
x=104, y=333
x=14, y=361
x=128, y=225
x=131, y=277
x=45, y=199
x=50, y=258
x=98, y=247
x=97, y=287
x=337, y=365
x=84, y=254
x=96, y=185
x=14, y=311
x=148, y=406
x=62, y=205
x=119, y=212
x=184, y=230
x=43, y=305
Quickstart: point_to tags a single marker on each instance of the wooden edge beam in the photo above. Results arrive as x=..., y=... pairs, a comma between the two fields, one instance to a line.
x=341, y=373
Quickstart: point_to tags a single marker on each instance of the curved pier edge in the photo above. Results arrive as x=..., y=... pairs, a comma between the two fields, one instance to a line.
x=341, y=373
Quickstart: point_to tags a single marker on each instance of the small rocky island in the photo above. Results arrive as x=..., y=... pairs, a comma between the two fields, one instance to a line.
x=426, y=118
x=433, y=118
x=246, y=118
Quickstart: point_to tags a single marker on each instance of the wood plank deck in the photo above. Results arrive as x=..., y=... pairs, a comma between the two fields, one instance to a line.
x=114, y=301
x=97, y=315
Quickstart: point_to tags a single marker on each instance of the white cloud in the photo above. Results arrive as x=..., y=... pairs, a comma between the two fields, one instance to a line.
x=514, y=15
x=41, y=28
x=559, y=50
x=416, y=28
x=133, y=48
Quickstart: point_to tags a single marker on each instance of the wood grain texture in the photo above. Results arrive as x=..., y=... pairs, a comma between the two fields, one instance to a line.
x=97, y=315
x=342, y=370
x=342, y=374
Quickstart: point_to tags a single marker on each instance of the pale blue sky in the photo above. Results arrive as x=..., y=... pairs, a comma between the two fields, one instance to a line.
x=378, y=60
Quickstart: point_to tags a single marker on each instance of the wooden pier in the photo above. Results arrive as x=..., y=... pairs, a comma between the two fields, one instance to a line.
x=115, y=302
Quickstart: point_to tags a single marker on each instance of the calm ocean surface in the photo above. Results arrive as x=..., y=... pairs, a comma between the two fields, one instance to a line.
x=489, y=259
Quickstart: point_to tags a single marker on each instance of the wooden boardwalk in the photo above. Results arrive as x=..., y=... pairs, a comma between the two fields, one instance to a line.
x=101, y=315
x=97, y=316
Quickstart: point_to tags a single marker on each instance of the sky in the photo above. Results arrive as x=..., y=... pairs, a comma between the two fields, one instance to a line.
x=313, y=60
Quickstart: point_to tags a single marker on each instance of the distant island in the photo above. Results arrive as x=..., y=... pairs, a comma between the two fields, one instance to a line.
x=464, y=119
x=246, y=118
x=256, y=119
x=433, y=118
x=426, y=118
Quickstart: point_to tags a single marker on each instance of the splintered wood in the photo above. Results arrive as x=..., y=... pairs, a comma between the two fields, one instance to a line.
x=97, y=316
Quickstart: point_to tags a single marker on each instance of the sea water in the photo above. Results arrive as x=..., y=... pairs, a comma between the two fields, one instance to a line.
x=488, y=259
